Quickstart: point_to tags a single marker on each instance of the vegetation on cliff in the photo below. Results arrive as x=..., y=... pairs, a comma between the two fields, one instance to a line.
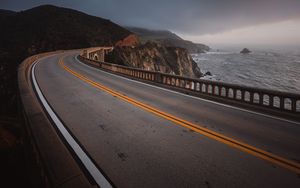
x=156, y=57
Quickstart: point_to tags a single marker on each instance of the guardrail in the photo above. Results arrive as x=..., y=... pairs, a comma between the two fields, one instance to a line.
x=56, y=165
x=283, y=101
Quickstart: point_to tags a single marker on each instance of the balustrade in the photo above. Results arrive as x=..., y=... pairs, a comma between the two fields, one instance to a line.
x=262, y=97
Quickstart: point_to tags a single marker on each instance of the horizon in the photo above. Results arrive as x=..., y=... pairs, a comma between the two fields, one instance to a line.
x=228, y=29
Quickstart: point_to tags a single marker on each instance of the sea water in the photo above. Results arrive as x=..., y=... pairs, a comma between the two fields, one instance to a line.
x=268, y=69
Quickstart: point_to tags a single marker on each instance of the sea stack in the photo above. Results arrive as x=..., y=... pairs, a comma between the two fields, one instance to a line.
x=245, y=51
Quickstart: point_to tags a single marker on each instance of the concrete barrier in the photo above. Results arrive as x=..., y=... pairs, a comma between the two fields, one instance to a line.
x=58, y=166
x=287, y=103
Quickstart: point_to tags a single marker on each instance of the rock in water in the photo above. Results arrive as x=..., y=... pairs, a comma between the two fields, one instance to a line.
x=208, y=74
x=245, y=51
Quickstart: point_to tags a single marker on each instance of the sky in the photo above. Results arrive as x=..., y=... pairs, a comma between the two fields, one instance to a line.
x=213, y=22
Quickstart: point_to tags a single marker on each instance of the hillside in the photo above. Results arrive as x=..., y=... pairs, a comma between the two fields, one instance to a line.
x=167, y=38
x=4, y=14
x=46, y=28
x=148, y=34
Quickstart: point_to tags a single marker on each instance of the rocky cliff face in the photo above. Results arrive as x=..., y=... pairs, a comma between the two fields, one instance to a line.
x=131, y=40
x=156, y=57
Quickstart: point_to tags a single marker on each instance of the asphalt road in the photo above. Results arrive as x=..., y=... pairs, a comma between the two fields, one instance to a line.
x=135, y=147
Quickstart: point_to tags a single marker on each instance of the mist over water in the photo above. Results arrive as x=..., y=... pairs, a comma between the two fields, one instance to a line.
x=270, y=69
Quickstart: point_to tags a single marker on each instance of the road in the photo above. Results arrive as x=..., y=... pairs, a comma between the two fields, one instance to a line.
x=144, y=136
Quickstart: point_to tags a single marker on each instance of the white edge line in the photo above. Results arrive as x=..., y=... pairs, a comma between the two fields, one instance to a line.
x=87, y=162
x=190, y=96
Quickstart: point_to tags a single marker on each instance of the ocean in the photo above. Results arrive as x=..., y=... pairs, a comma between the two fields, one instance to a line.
x=276, y=70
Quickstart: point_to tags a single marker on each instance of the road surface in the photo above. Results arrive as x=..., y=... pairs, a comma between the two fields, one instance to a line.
x=144, y=136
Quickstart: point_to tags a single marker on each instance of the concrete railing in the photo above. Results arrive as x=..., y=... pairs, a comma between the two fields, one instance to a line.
x=57, y=166
x=270, y=99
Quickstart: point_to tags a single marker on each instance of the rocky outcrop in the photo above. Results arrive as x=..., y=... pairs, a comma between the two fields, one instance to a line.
x=131, y=40
x=156, y=57
x=245, y=51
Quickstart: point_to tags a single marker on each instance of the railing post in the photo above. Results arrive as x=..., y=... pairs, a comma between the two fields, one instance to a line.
x=261, y=98
x=234, y=94
x=176, y=82
x=243, y=95
x=219, y=93
x=158, y=77
x=226, y=92
x=294, y=105
x=271, y=101
x=281, y=103
x=184, y=83
x=251, y=100
x=187, y=84
x=192, y=86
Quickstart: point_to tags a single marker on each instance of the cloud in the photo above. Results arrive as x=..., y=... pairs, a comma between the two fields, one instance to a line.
x=285, y=33
x=183, y=16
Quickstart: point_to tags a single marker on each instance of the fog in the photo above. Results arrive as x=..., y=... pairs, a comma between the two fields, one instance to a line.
x=278, y=35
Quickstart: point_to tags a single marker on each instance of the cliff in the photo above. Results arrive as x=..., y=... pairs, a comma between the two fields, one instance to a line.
x=167, y=38
x=156, y=57
x=131, y=40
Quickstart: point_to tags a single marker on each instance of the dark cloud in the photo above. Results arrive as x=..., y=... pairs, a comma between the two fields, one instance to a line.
x=184, y=16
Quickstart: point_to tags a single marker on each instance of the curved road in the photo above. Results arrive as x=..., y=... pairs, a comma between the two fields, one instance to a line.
x=166, y=139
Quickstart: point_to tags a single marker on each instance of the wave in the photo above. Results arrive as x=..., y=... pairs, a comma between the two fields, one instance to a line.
x=278, y=71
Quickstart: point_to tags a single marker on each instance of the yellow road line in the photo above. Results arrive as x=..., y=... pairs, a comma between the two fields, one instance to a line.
x=280, y=161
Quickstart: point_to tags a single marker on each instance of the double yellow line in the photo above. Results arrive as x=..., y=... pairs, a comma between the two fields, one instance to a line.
x=280, y=161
